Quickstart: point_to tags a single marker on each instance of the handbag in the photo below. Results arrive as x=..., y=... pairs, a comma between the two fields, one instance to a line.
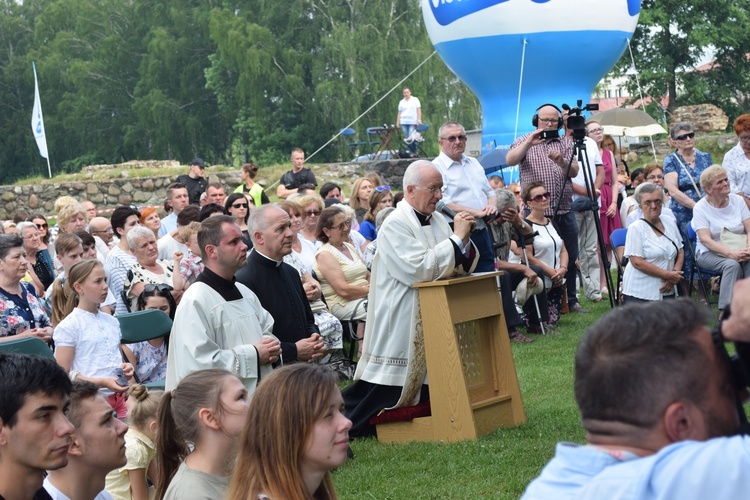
x=732, y=240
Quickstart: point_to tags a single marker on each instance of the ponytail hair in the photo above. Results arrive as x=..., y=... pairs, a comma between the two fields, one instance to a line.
x=178, y=421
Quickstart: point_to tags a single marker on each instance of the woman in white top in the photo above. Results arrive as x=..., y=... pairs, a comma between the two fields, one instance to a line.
x=720, y=211
x=88, y=341
x=547, y=250
x=409, y=115
x=654, y=247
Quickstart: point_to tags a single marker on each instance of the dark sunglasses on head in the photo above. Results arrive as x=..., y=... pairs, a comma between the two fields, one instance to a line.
x=240, y=205
x=682, y=137
x=383, y=188
x=540, y=197
x=152, y=287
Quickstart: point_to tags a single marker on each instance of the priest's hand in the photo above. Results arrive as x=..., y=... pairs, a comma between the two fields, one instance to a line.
x=269, y=350
x=310, y=348
x=463, y=223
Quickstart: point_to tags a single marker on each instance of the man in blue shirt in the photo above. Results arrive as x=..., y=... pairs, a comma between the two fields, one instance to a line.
x=646, y=377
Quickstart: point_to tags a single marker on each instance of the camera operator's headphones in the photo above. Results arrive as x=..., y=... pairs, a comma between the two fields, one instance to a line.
x=535, y=118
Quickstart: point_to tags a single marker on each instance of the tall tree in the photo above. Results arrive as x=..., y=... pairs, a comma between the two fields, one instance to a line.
x=673, y=36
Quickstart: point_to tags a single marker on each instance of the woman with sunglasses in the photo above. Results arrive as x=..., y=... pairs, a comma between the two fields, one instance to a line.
x=547, y=249
x=344, y=278
x=682, y=173
x=41, y=224
x=379, y=199
x=312, y=205
x=238, y=206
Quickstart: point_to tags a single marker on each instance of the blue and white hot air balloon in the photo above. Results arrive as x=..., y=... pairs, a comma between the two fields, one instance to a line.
x=518, y=54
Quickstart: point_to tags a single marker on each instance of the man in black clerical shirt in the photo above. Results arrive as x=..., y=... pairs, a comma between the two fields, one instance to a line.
x=278, y=285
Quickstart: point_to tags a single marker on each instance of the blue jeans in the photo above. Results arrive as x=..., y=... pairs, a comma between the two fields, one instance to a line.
x=407, y=130
x=486, y=261
x=567, y=228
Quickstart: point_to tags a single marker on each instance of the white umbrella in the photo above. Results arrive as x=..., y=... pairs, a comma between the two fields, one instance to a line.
x=629, y=122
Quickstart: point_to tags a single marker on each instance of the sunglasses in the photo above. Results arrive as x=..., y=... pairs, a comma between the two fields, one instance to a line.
x=240, y=205
x=343, y=225
x=152, y=287
x=313, y=213
x=42, y=226
x=380, y=189
x=540, y=197
x=455, y=138
x=682, y=137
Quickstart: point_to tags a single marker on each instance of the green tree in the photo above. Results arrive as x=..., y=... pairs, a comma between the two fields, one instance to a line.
x=673, y=36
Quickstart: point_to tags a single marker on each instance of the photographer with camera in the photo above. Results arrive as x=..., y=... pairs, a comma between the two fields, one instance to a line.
x=650, y=381
x=544, y=156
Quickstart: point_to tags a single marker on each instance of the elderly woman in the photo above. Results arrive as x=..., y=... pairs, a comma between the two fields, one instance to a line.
x=37, y=256
x=120, y=259
x=302, y=249
x=737, y=160
x=654, y=174
x=72, y=218
x=312, y=206
x=150, y=219
x=344, y=278
x=547, y=249
x=22, y=311
x=722, y=222
x=654, y=247
x=682, y=172
x=148, y=269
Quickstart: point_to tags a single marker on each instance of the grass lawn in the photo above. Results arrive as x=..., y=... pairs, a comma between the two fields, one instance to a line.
x=498, y=465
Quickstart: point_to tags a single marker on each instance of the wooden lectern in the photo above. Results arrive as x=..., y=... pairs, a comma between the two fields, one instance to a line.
x=472, y=377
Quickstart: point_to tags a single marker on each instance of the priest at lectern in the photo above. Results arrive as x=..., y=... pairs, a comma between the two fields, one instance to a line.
x=413, y=247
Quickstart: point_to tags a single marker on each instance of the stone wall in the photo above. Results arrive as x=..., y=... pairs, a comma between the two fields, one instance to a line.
x=152, y=191
x=704, y=117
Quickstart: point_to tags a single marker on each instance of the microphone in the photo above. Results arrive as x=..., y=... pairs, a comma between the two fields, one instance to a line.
x=566, y=107
x=441, y=207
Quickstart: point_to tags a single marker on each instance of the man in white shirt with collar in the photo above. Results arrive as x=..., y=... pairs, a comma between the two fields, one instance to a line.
x=466, y=189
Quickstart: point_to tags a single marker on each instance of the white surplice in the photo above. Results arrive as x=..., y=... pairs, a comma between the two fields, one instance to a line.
x=408, y=253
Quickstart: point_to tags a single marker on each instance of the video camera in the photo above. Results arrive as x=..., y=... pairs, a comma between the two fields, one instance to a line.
x=576, y=122
x=739, y=369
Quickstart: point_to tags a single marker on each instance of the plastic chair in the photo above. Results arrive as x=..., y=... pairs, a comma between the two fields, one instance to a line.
x=696, y=268
x=617, y=239
x=144, y=325
x=26, y=345
x=352, y=140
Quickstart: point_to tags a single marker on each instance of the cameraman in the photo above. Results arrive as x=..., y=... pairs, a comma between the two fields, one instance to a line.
x=648, y=378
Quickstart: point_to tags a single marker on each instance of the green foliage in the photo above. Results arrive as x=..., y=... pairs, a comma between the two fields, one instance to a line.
x=229, y=81
x=673, y=36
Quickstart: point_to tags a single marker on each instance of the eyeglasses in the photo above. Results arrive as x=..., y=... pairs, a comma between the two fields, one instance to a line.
x=655, y=178
x=380, y=189
x=152, y=287
x=240, y=205
x=682, y=137
x=540, y=197
x=455, y=138
x=744, y=138
x=343, y=225
x=596, y=130
x=655, y=203
x=108, y=230
x=312, y=213
x=549, y=121
x=432, y=190
x=42, y=226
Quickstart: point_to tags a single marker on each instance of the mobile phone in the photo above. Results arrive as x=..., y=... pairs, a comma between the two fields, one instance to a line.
x=550, y=134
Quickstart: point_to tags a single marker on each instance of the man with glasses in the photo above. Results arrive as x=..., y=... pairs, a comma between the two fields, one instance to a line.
x=465, y=188
x=194, y=181
x=101, y=229
x=552, y=162
x=414, y=246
